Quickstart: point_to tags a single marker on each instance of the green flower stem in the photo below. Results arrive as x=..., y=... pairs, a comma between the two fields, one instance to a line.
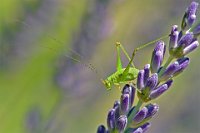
x=133, y=113
x=114, y=131
x=165, y=66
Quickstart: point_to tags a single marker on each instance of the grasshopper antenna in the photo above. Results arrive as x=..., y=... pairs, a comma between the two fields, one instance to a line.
x=87, y=64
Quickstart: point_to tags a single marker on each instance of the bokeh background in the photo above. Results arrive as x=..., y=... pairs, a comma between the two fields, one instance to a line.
x=44, y=91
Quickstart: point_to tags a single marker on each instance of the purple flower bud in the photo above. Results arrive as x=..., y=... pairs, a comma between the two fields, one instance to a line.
x=140, y=80
x=169, y=83
x=116, y=104
x=191, y=19
x=173, y=37
x=192, y=9
x=125, y=103
x=186, y=40
x=132, y=96
x=158, y=91
x=139, y=117
x=128, y=89
x=174, y=28
x=122, y=123
x=145, y=127
x=157, y=56
x=156, y=61
x=101, y=129
x=169, y=71
x=189, y=16
x=152, y=81
x=146, y=72
x=111, y=119
x=117, y=107
x=152, y=110
x=191, y=47
x=138, y=130
x=183, y=63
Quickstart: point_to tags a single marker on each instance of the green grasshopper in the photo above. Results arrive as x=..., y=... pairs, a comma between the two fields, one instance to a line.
x=130, y=72
x=122, y=75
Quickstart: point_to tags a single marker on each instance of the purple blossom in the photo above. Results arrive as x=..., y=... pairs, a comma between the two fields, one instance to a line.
x=139, y=117
x=111, y=119
x=146, y=72
x=183, y=63
x=152, y=110
x=125, y=103
x=140, y=80
x=191, y=47
x=189, y=16
x=173, y=42
x=157, y=56
x=122, y=123
x=152, y=81
x=101, y=129
x=168, y=73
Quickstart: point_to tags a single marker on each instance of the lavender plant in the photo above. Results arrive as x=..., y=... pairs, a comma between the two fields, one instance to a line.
x=155, y=79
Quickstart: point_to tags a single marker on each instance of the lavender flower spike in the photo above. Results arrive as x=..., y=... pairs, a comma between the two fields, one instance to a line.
x=101, y=129
x=122, y=123
x=157, y=56
x=140, y=80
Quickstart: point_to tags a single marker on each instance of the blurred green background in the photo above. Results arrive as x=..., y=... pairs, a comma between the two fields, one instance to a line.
x=43, y=91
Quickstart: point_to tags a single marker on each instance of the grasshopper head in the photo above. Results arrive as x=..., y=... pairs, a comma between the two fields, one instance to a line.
x=107, y=84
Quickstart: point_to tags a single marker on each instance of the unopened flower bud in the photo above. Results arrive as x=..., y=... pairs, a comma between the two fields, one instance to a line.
x=186, y=40
x=101, y=129
x=183, y=63
x=139, y=117
x=190, y=48
x=125, y=103
x=152, y=110
x=168, y=73
x=158, y=91
x=111, y=119
x=138, y=130
x=145, y=127
x=146, y=72
x=152, y=81
x=173, y=42
x=122, y=123
x=157, y=56
x=129, y=89
x=189, y=16
x=140, y=80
